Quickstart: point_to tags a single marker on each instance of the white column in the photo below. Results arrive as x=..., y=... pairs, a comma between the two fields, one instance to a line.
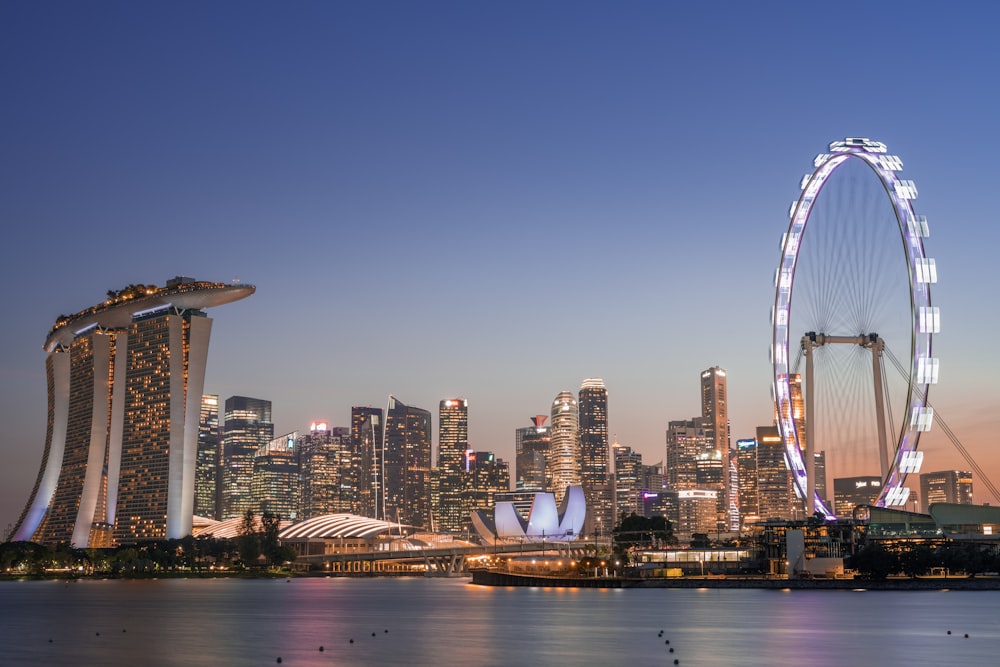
x=101, y=360
x=55, y=447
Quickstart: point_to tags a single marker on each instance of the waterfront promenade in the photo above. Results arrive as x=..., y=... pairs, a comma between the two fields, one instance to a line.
x=484, y=577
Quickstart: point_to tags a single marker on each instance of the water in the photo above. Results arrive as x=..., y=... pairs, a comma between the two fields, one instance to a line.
x=443, y=622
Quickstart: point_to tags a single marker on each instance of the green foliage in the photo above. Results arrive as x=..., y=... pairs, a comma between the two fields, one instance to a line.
x=874, y=562
x=636, y=531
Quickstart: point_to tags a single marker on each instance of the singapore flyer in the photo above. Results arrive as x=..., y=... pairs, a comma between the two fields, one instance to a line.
x=852, y=326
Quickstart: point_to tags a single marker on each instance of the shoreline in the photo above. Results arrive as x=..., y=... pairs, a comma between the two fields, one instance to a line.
x=493, y=578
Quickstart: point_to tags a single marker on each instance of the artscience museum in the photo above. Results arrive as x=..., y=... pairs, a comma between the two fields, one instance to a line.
x=544, y=522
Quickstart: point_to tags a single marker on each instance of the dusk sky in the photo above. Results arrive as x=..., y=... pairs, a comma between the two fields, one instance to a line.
x=487, y=200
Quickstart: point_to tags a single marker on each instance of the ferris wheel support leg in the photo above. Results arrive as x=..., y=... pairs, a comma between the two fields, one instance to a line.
x=809, y=430
x=883, y=447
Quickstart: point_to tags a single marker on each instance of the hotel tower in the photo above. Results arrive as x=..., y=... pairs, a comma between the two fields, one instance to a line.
x=125, y=380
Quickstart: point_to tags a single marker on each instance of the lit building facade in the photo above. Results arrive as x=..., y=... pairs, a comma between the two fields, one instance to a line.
x=325, y=466
x=531, y=448
x=564, y=451
x=945, y=486
x=628, y=485
x=774, y=481
x=247, y=428
x=275, y=484
x=406, y=464
x=851, y=492
x=686, y=441
x=125, y=379
x=485, y=477
x=449, y=502
x=746, y=452
x=367, y=433
x=206, y=481
x=594, y=457
x=715, y=412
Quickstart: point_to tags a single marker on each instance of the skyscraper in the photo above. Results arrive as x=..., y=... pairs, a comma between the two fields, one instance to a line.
x=686, y=441
x=746, y=451
x=564, y=450
x=628, y=482
x=594, y=454
x=774, y=481
x=275, y=482
x=715, y=410
x=246, y=428
x=125, y=380
x=450, y=504
x=945, y=486
x=484, y=476
x=367, y=433
x=407, y=464
x=531, y=448
x=325, y=463
x=851, y=492
x=206, y=481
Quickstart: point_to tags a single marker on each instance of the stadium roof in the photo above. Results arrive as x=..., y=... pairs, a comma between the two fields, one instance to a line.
x=343, y=526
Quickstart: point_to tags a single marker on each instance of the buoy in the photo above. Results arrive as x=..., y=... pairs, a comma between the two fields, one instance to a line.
x=50, y=641
x=949, y=632
x=387, y=631
x=320, y=649
x=352, y=641
x=667, y=642
x=123, y=629
x=966, y=635
x=373, y=634
x=279, y=660
x=676, y=661
x=671, y=649
x=97, y=634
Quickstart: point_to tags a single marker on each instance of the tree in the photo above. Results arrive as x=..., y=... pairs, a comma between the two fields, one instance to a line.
x=248, y=541
x=636, y=531
x=270, y=526
x=917, y=560
x=874, y=562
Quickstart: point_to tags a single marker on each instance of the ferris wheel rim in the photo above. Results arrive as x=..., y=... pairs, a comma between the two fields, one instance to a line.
x=924, y=317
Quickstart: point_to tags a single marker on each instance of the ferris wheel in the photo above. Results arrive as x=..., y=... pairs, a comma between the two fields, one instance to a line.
x=853, y=259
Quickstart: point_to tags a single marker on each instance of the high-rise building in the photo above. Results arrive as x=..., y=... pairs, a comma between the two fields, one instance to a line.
x=485, y=476
x=774, y=481
x=851, y=492
x=564, y=451
x=595, y=471
x=325, y=465
x=247, y=427
x=275, y=482
x=367, y=433
x=531, y=449
x=715, y=411
x=945, y=486
x=746, y=452
x=449, y=500
x=686, y=441
x=628, y=486
x=407, y=464
x=206, y=479
x=125, y=380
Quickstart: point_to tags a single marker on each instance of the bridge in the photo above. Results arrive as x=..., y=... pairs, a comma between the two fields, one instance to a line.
x=437, y=561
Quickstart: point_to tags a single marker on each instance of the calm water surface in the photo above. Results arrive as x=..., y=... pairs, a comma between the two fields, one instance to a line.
x=451, y=622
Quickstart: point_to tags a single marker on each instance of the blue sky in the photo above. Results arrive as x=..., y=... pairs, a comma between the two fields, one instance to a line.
x=488, y=200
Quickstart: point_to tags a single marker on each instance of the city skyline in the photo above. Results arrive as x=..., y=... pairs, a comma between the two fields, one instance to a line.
x=488, y=202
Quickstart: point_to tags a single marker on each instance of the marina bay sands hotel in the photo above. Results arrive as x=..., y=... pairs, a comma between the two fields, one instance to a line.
x=125, y=380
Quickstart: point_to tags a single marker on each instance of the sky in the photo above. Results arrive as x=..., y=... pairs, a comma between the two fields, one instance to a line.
x=486, y=200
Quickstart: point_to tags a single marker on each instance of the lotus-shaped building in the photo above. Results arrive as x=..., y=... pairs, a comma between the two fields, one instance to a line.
x=544, y=522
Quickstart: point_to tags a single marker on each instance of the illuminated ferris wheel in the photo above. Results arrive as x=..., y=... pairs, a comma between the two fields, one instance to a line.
x=860, y=323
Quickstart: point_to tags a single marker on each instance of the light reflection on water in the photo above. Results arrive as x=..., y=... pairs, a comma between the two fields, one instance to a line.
x=450, y=622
